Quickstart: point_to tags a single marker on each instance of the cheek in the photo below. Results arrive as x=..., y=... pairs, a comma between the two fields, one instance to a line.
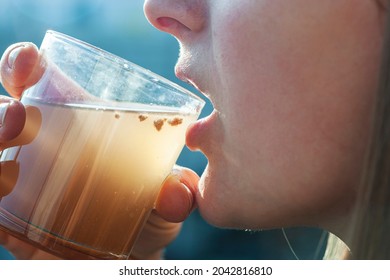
x=303, y=145
x=305, y=86
x=290, y=166
x=297, y=120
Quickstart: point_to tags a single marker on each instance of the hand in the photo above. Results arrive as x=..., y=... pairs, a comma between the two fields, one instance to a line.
x=21, y=67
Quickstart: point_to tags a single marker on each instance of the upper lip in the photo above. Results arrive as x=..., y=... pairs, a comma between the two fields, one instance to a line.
x=180, y=74
x=185, y=76
x=187, y=70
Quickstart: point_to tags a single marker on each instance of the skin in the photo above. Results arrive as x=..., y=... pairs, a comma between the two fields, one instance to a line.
x=292, y=84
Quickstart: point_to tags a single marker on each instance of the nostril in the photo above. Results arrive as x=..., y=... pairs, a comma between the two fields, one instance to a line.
x=171, y=25
x=177, y=17
x=167, y=22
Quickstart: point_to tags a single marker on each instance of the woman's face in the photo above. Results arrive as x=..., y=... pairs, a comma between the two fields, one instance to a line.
x=292, y=84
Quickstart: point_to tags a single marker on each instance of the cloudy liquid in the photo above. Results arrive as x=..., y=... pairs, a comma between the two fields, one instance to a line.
x=82, y=181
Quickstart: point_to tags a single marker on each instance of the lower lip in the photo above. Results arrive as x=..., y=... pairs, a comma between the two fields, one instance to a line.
x=198, y=133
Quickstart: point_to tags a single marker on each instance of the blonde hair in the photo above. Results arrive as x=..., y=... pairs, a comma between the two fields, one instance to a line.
x=371, y=238
x=370, y=225
x=336, y=249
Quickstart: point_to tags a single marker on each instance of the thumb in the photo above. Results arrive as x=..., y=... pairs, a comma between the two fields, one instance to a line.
x=176, y=199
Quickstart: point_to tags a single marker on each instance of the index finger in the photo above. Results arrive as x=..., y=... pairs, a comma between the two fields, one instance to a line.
x=20, y=67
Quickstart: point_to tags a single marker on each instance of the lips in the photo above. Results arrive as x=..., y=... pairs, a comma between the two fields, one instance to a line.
x=182, y=73
x=191, y=69
x=200, y=134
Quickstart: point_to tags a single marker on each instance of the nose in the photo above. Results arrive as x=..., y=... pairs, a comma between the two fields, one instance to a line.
x=177, y=17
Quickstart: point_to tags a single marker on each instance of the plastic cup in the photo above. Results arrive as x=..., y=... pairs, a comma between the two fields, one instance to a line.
x=101, y=136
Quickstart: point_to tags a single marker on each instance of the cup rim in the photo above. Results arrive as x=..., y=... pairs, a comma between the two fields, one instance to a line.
x=129, y=66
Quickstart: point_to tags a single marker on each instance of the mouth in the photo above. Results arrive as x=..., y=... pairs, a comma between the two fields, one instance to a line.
x=198, y=134
x=186, y=72
x=181, y=74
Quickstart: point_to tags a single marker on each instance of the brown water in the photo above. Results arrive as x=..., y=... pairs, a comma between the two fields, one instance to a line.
x=82, y=181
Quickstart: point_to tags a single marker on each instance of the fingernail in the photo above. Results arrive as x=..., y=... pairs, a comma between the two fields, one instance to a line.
x=14, y=55
x=3, y=112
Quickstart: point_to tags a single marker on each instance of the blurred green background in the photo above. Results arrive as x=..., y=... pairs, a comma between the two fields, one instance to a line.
x=119, y=26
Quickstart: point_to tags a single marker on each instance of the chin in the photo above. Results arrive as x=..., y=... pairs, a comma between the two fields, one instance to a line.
x=217, y=203
x=226, y=204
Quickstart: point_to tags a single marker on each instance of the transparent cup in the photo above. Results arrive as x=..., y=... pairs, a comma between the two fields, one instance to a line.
x=101, y=136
